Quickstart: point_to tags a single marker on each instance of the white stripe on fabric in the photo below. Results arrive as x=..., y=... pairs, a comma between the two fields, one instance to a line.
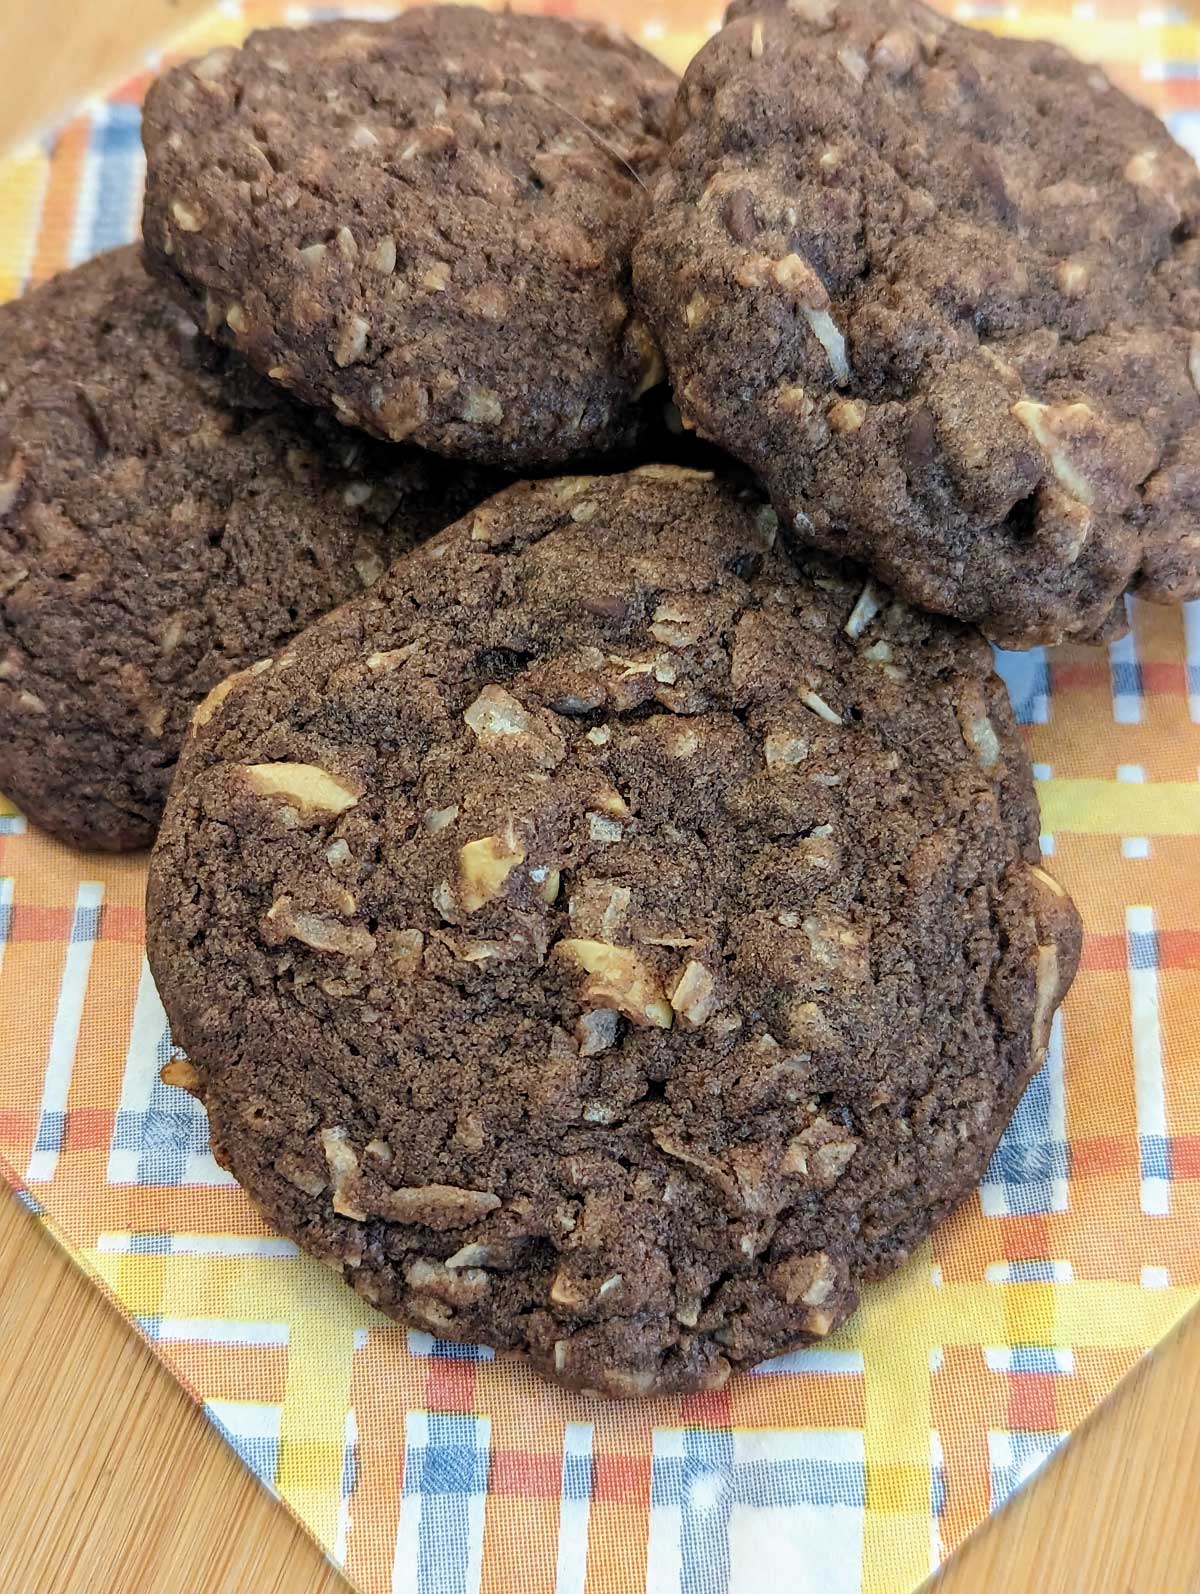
x=222, y=1331
x=1191, y=636
x=664, y=1561
x=146, y=1032
x=1123, y=663
x=574, y=1511
x=81, y=247
x=1148, y=1083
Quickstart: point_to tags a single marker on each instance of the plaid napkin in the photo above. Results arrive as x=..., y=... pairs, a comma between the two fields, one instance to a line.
x=428, y=1468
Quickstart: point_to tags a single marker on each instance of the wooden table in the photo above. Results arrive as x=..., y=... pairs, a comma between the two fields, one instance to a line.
x=112, y=1482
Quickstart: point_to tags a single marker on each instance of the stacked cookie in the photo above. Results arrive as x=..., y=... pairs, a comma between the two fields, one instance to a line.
x=616, y=928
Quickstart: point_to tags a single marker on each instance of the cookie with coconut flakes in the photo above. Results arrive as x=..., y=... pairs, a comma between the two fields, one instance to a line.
x=422, y=224
x=166, y=517
x=627, y=940
x=941, y=291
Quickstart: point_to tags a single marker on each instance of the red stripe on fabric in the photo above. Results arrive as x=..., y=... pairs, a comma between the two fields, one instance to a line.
x=1026, y=1239
x=1031, y=1403
x=121, y=923
x=1185, y=1157
x=1177, y=949
x=31, y=923
x=621, y=1480
x=1162, y=679
x=87, y=1129
x=525, y=1477
x=450, y=1384
x=16, y=1127
x=1080, y=678
x=711, y=1408
x=1103, y=1155
x=1165, y=679
x=1104, y=952
x=132, y=92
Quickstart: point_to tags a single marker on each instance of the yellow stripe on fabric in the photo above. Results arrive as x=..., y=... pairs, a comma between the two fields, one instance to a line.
x=22, y=186
x=312, y=1425
x=1084, y=1314
x=893, y=1334
x=902, y=1320
x=7, y=809
x=243, y=1289
x=1110, y=41
x=1121, y=808
x=321, y=1317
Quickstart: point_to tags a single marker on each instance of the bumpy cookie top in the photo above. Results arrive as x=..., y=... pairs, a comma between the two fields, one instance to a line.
x=607, y=939
x=165, y=517
x=423, y=224
x=942, y=292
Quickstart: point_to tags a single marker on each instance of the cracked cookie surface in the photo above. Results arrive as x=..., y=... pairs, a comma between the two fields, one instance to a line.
x=423, y=224
x=941, y=291
x=166, y=517
x=609, y=939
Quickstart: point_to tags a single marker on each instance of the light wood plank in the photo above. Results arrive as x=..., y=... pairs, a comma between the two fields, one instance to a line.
x=53, y=52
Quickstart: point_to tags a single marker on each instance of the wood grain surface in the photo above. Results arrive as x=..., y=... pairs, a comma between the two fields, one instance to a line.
x=112, y=1483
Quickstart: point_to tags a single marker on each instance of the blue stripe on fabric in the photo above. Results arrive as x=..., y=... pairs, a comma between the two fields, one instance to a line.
x=1027, y=677
x=1143, y=949
x=1027, y=1449
x=1031, y=1270
x=1126, y=678
x=1029, y=1164
x=260, y=1453
x=1034, y=1359
x=706, y=1482
x=447, y=1472
x=50, y=1129
x=85, y=925
x=707, y=1472
x=13, y=825
x=577, y=1477
x=116, y=147
x=1154, y=1156
x=447, y=1351
x=937, y=1491
x=1030, y=1159
x=165, y=1134
x=349, y=1470
x=150, y=1244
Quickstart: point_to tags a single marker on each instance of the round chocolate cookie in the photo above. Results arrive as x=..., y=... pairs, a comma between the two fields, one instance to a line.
x=941, y=291
x=607, y=939
x=424, y=224
x=166, y=517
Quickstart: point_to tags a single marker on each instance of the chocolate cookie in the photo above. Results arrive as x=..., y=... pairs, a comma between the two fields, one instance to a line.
x=607, y=939
x=423, y=224
x=165, y=517
x=942, y=292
